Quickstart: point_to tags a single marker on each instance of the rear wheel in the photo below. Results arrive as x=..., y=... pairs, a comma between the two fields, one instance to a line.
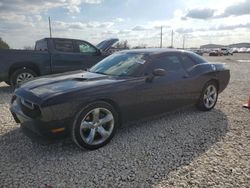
x=208, y=97
x=21, y=75
x=95, y=125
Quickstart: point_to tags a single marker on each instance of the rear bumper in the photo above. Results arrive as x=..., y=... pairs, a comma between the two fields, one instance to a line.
x=37, y=126
x=224, y=78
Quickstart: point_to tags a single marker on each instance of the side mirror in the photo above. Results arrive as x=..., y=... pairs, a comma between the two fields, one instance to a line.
x=156, y=72
x=98, y=52
x=159, y=72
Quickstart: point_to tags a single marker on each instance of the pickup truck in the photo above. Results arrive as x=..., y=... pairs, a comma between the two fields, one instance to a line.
x=50, y=56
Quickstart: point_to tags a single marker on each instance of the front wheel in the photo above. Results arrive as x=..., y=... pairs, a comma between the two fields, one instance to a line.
x=208, y=97
x=95, y=125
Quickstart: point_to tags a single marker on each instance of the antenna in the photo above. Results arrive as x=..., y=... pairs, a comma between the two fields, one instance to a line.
x=50, y=34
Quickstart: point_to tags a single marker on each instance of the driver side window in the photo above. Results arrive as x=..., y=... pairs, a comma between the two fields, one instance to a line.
x=169, y=62
x=85, y=47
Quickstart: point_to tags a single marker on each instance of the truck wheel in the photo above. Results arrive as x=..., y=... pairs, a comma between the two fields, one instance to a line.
x=7, y=82
x=21, y=75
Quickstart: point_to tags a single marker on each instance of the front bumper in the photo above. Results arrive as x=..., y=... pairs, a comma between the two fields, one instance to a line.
x=36, y=125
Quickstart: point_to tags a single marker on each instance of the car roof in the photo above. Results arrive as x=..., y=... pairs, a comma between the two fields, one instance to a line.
x=58, y=38
x=152, y=51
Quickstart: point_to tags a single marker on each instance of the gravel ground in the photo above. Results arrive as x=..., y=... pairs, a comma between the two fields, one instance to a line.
x=185, y=148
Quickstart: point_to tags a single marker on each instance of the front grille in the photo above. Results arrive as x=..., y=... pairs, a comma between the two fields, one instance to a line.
x=28, y=108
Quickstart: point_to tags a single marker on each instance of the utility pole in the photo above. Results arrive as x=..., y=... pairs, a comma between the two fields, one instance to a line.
x=183, y=44
x=161, y=38
x=50, y=34
x=172, y=39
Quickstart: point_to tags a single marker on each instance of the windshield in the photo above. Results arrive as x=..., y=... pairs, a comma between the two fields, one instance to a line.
x=119, y=64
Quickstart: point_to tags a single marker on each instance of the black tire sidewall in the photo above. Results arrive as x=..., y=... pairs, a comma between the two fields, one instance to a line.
x=14, y=75
x=201, y=105
x=75, y=129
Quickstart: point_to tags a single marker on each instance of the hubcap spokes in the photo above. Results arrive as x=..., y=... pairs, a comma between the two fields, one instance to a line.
x=23, y=77
x=210, y=96
x=97, y=126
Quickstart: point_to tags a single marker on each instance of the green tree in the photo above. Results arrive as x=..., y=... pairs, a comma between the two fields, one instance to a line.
x=3, y=45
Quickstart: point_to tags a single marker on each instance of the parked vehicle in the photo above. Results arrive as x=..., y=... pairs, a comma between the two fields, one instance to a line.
x=243, y=50
x=197, y=51
x=90, y=105
x=51, y=55
x=215, y=53
x=226, y=51
x=235, y=50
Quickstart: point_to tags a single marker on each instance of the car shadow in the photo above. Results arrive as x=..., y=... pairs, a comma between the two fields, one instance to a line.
x=141, y=154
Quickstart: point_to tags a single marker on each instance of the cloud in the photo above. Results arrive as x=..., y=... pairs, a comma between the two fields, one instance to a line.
x=237, y=9
x=140, y=28
x=37, y=6
x=184, y=30
x=201, y=13
x=221, y=27
x=242, y=8
x=232, y=27
x=119, y=20
x=60, y=25
x=124, y=32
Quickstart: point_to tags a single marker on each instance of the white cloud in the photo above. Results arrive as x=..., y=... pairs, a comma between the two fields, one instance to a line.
x=204, y=13
x=22, y=23
x=119, y=20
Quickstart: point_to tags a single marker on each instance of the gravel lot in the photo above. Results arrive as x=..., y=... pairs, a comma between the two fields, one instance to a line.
x=185, y=148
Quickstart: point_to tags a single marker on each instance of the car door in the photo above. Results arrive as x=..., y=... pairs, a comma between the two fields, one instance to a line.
x=194, y=81
x=165, y=92
x=86, y=54
x=64, y=57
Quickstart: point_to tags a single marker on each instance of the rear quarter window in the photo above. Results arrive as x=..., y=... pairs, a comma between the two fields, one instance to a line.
x=197, y=58
x=41, y=45
x=64, y=45
x=187, y=61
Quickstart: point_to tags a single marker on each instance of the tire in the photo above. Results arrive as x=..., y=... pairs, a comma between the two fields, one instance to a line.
x=208, y=97
x=94, y=133
x=25, y=73
x=7, y=82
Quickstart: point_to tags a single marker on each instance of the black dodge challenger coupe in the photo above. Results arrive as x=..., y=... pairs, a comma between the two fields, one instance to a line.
x=131, y=84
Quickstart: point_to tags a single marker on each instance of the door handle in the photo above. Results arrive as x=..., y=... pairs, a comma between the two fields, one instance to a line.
x=185, y=76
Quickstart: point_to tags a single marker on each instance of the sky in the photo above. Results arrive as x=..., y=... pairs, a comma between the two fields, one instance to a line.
x=22, y=22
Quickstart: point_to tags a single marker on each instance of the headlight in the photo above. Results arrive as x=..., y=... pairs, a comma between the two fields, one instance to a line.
x=29, y=109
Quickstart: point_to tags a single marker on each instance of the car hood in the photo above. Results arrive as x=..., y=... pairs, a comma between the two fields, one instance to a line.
x=107, y=44
x=48, y=86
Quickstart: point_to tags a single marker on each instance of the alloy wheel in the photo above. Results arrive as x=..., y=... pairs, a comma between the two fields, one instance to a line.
x=210, y=96
x=23, y=77
x=97, y=126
